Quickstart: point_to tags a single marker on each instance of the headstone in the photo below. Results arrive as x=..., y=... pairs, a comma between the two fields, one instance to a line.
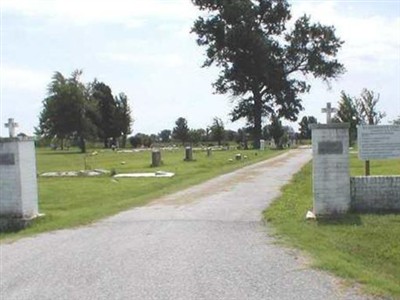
x=155, y=158
x=262, y=145
x=188, y=154
x=272, y=144
x=18, y=183
x=11, y=125
x=238, y=156
x=209, y=151
x=331, y=178
x=328, y=110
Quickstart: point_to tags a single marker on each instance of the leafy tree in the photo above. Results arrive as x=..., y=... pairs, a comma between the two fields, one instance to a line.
x=196, y=135
x=181, y=130
x=107, y=107
x=242, y=137
x=260, y=59
x=141, y=139
x=135, y=141
x=123, y=117
x=367, y=109
x=305, y=131
x=347, y=113
x=230, y=135
x=217, y=130
x=396, y=121
x=165, y=136
x=66, y=110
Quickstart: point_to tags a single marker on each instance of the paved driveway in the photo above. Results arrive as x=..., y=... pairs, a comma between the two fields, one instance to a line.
x=207, y=242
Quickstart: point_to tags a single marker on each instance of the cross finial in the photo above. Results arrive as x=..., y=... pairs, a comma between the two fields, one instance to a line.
x=328, y=110
x=11, y=127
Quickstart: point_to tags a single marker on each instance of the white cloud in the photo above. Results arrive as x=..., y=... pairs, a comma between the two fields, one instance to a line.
x=128, y=12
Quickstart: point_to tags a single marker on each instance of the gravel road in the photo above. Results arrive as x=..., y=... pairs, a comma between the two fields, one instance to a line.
x=206, y=242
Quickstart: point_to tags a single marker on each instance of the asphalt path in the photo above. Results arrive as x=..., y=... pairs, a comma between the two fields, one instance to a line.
x=206, y=242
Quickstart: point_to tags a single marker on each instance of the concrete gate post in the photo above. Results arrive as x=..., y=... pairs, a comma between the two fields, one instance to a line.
x=331, y=178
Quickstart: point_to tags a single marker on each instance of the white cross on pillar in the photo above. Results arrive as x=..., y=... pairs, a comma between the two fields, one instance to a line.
x=328, y=110
x=11, y=127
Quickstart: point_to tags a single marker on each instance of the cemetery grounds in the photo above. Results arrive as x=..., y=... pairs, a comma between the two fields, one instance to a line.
x=75, y=201
x=361, y=248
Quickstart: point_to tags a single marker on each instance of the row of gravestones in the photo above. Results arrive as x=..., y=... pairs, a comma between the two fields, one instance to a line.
x=156, y=160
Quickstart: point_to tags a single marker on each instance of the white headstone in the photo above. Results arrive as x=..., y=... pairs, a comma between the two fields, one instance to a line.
x=262, y=145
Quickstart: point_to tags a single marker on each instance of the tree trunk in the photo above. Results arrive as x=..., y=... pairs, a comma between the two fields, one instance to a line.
x=106, y=143
x=82, y=144
x=123, y=141
x=257, y=119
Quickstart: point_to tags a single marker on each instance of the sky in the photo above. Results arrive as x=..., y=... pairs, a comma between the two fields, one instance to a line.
x=145, y=49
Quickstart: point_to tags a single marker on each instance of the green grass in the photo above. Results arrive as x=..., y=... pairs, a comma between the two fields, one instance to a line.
x=69, y=202
x=362, y=248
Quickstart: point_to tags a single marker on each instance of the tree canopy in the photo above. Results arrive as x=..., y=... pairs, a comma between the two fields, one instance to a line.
x=348, y=113
x=217, y=130
x=181, y=130
x=66, y=110
x=260, y=59
x=73, y=110
x=367, y=107
x=304, y=129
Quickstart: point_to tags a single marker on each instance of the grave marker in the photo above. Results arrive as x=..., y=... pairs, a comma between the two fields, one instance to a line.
x=155, y=158
x=262, y=145
x=188, y=154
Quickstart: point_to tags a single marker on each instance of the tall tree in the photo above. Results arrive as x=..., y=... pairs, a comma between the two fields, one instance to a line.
x=123, y=117
x=107, y=107
x=181, y=130
x=347, y=113
x=260, y=59
x=305, y=131
x=66, y=110
x=367, y=108
x=217, y=130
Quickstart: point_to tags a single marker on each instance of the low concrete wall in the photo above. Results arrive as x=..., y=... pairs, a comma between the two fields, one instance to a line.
x=375, y=193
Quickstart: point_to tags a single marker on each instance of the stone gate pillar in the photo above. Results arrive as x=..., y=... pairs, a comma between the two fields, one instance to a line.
x=331, y=178
x=18, y=183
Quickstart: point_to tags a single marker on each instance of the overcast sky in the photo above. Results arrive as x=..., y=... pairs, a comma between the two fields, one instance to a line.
x=145, y=49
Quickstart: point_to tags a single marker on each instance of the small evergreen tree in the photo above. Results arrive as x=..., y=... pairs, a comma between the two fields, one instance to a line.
x=181, y=130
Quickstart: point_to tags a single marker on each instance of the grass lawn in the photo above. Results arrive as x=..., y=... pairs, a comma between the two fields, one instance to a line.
x=68, y=202
x=362, y=248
